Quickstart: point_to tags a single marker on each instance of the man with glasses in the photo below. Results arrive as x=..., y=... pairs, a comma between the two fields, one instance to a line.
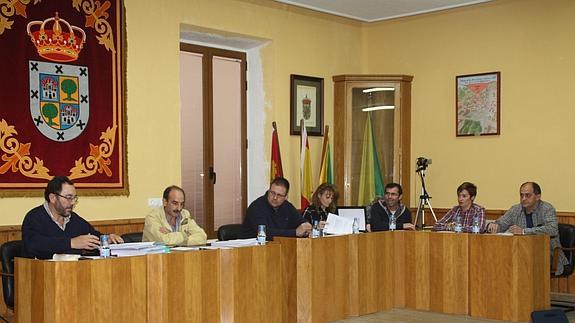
x=55, y=228
x=382, y=210
x=531, y=216
x=275, y=212
x=171, y=223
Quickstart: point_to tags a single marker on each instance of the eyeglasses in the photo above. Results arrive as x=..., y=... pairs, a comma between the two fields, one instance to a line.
x=70, y=198
x=276, y=195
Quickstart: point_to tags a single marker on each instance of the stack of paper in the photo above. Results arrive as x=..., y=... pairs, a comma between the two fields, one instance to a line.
x=137, y=249
x=65, y=257
x=338, y=225
x=235, y=243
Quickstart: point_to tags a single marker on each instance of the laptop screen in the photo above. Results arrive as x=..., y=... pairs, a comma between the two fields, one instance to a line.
x=351, y=212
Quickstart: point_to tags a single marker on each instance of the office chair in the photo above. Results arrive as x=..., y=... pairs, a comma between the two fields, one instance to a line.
x=229, y=231
x=567, y=238
x=132, y=237
x=8, y=251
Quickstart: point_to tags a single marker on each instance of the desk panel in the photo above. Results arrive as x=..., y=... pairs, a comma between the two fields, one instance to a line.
x=83, y=291
x=316, y=275
x=431, y=271
x=183, y=287
x=228, y=285
x=371, y=273
x=258, y=286
x=296, y=280
x=510, y=276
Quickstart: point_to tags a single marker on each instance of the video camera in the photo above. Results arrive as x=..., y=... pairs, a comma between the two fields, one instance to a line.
x=422, y=163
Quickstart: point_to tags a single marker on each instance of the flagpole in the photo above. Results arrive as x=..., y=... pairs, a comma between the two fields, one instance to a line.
x=325, y=142
x=276, y=157
x=276, y=130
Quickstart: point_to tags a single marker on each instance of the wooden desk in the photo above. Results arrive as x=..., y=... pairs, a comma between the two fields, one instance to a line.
x=335, y=277
x=509, y=276
x=296, y=280
x=237, y=285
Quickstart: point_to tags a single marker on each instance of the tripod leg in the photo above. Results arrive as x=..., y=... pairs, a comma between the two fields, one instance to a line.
x=419, y=215
x=431, y=209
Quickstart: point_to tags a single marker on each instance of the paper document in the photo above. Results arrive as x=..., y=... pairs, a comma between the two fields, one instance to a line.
x=65, y=257
x=338, y=225
x=235, y=243
x=137, y=249
x=131, y=245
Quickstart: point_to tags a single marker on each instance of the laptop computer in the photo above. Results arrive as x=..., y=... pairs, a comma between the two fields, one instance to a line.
x=351, y=212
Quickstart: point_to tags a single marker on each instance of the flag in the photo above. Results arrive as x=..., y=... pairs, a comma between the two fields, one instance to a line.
x=276, y=169
x=370, y=179
x=306, y=186
x=325, y=170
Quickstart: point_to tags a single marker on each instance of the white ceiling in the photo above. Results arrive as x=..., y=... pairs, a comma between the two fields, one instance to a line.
x=377, y=10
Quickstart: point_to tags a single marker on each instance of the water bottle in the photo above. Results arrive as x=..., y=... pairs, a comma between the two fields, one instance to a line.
x=104, y=246
x=355, y=227
x=315, y=230
x=392, y=224
x=475, y=225
x=457, y=227
x=261, y=238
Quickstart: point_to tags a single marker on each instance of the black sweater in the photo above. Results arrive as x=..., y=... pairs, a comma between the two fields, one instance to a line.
x=282, y=221
x=42, y=237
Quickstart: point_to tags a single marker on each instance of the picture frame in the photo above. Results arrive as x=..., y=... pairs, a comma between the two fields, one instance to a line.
x=306, y=102
x=477, y=104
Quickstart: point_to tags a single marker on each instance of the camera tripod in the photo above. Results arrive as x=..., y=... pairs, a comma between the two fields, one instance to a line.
x=423, y=201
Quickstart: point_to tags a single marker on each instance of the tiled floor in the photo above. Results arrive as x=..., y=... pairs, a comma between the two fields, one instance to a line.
x=412, y=316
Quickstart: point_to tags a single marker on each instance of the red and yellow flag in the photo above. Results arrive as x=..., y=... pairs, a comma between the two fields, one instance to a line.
x=276, y=169
x=306, y=186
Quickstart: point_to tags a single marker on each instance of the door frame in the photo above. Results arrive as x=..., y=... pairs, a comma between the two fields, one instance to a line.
x=207, y=86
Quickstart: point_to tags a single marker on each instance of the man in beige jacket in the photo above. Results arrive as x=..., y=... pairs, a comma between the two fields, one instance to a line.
x=171, y=223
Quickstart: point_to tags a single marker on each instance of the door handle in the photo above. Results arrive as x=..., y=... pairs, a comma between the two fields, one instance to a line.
x=212, y=175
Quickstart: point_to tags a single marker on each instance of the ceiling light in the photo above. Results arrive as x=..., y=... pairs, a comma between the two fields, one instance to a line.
x=379, y=107
x=378, y=89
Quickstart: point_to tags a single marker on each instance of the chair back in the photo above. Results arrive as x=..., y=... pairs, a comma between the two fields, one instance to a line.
x=549, y=316
x=8, y=251
x=132, y=237
x=567, y=238
x=229, y=231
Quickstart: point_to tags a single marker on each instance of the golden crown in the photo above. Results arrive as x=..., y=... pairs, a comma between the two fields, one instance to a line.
x=56, y=44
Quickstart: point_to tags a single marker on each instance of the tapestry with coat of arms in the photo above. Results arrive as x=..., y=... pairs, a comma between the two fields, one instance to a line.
x=62, y=96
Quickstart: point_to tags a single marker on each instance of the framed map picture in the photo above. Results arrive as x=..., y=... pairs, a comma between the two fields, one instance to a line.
x=477, y=104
